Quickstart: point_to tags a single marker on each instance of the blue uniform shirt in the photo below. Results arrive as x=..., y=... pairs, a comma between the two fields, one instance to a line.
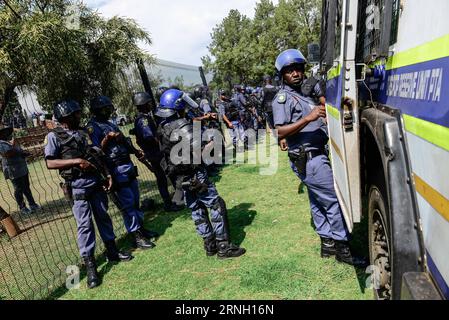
x=144, y=128
x=53, y=151
x=146, y=135
x=288, y=107
x=120, y=164
x=240, y=100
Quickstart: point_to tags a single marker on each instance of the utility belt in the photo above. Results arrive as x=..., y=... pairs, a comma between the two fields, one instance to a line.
x=300, y=156
x=68, y=192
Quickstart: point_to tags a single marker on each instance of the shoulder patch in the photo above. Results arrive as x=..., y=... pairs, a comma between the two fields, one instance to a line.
x=90, y=129
x=282, y=98
x=145, y=122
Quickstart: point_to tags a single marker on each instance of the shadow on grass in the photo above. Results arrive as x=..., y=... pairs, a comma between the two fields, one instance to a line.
x=240, y=216
x=359, y=247
x=359, y=244
x=104, y=267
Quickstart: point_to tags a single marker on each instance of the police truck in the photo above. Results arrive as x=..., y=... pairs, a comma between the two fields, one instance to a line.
x=386, y=65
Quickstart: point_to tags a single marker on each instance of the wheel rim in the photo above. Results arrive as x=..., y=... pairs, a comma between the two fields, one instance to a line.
x=380, y=257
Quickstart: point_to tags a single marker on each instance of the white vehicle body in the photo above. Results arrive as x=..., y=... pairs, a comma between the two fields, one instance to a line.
x=387, y=64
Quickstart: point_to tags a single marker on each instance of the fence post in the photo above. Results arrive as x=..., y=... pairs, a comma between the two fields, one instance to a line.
x=9, y=224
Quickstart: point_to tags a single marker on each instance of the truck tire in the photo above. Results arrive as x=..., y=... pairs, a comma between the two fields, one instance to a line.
x=380, y=244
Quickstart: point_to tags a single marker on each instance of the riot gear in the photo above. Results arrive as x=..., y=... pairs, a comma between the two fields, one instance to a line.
x=289, y=57
x=100, y=103
x=269, y=92
x=72, y=147
x=65, y=108
x=141, y=99
x=172, y=101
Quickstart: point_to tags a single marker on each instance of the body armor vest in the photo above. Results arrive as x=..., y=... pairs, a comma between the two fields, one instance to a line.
x=268, y=97
x=183, y=130
x=72, y=147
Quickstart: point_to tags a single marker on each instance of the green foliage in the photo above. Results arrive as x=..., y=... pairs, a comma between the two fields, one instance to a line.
x=43, y=50
x=243, y=50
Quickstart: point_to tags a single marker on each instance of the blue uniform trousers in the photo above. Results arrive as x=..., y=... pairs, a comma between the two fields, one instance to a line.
x=326, y=212
x=128, y=196
x=200, y=202
x=237, y=133
x=94, y=203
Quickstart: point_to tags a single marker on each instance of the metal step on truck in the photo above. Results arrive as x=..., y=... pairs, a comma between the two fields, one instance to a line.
x=386, y=66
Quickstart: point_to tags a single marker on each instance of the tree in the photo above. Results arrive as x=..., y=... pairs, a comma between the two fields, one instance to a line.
x=42, y=49
x=229, y=49
x=243, y=50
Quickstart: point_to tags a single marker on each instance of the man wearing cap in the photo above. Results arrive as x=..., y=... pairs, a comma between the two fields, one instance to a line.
x=15, y=168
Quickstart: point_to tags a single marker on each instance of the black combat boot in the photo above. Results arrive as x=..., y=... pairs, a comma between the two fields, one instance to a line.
x=327, y=248
x=91, y=270
x=343, y=254
x=114, y=255
x=228, y=250
x=210, y=245
x=141, y=242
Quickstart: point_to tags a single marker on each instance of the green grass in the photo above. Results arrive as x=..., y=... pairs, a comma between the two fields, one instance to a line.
x=268, y=218
x=34, y=263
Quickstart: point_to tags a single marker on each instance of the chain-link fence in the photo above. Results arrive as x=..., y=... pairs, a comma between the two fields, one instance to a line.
x=33, y=262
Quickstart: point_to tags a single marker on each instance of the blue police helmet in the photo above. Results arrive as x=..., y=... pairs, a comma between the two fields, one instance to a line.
x=100, y=102
x=171, y=102
x=288, y=58
x=65, y=108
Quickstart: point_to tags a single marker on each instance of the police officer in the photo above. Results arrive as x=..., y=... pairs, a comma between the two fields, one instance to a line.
x=200, y=193
x=146, y=136
x=200, y=93
x=268, y=93
x=301, y=123
x=117, y=147
x=234, y=112
x=66, y=150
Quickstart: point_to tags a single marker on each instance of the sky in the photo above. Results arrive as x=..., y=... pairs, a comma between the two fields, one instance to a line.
x=180, y=29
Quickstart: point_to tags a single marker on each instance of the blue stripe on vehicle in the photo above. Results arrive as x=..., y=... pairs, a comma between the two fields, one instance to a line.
x=442, y=285
x=333, y=91
x=432, y=111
